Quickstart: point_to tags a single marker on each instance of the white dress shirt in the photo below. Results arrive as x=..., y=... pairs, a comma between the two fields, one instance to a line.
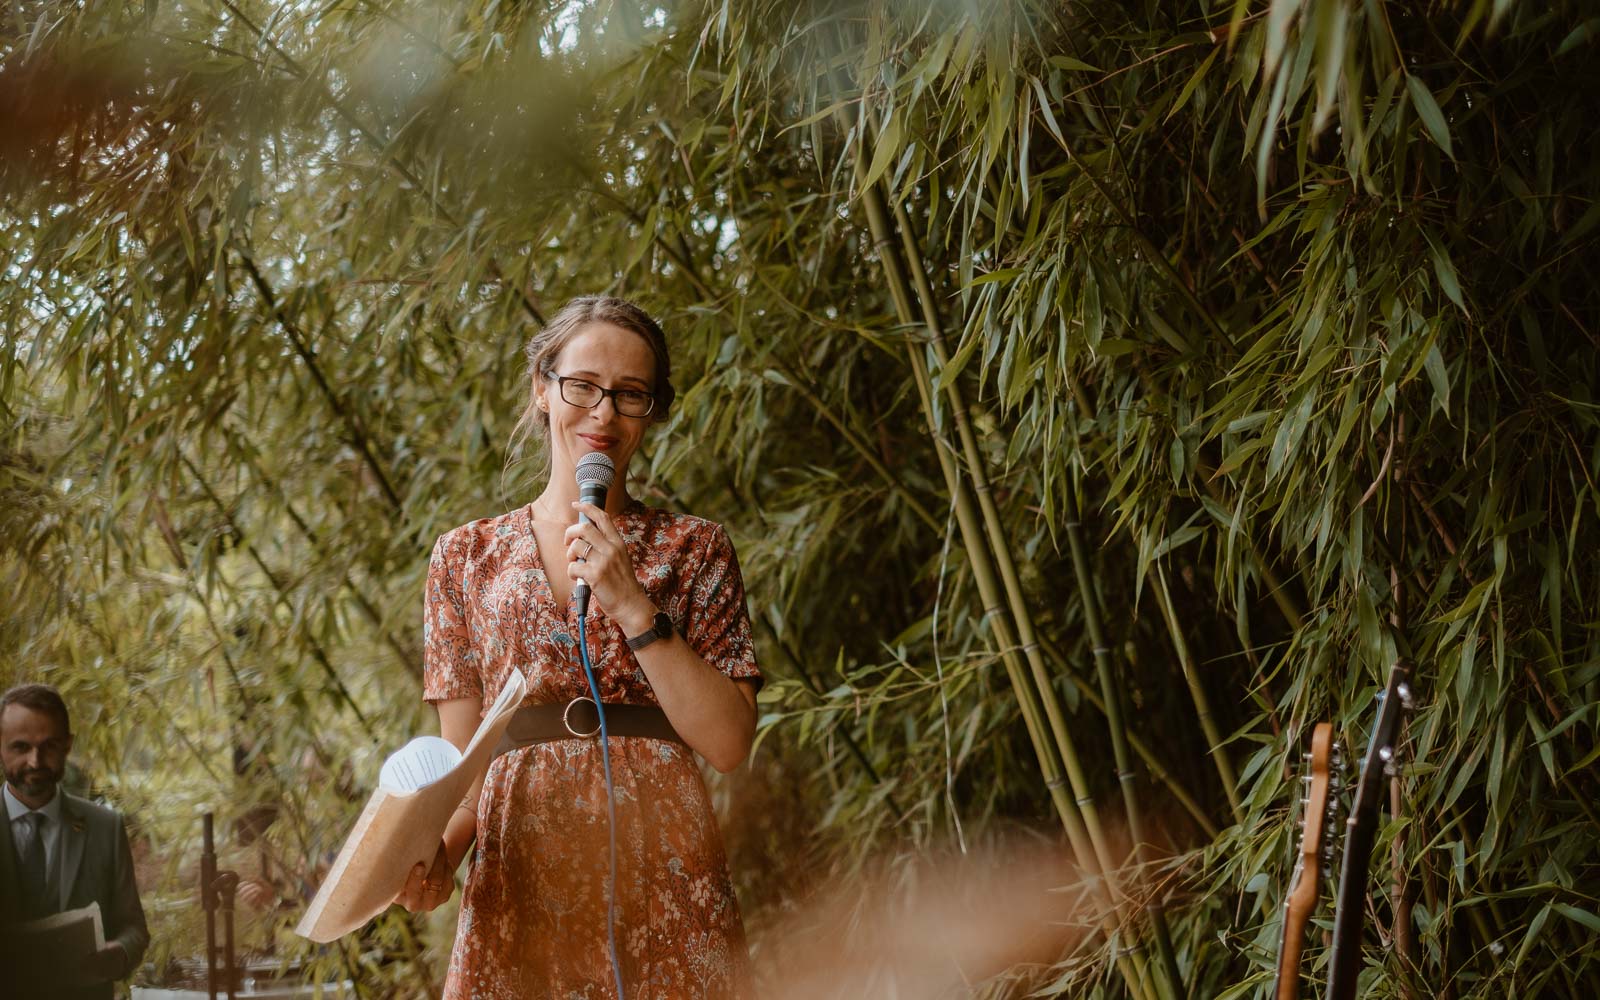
x=15, y=809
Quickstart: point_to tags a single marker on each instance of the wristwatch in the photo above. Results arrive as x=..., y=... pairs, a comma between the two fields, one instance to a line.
x=661, y=628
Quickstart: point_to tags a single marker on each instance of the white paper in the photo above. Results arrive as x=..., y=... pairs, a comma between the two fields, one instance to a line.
x=401, y=828
x=418, y=764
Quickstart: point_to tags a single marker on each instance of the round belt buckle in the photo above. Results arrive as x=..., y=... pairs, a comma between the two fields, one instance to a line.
x=566, y=719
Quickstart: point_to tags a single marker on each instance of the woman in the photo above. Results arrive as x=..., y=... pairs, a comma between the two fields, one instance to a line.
x=533, y=912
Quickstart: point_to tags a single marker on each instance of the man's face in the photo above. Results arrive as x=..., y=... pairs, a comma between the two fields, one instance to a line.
x=33, y=747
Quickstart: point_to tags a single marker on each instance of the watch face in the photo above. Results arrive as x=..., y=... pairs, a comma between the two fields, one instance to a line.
x=663, y=625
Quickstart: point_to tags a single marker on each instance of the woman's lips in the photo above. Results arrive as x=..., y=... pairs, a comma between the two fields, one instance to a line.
x=599, y=442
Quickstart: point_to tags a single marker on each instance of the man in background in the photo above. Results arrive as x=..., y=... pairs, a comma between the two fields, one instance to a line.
x=59, y=852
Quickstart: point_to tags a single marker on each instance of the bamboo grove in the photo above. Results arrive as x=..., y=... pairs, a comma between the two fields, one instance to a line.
x=1099, y=395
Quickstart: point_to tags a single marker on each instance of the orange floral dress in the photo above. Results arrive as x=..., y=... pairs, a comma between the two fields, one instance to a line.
x=533, y=911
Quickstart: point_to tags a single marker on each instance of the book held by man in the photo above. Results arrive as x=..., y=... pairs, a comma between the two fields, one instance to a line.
x=419, y=787
x=54, y=950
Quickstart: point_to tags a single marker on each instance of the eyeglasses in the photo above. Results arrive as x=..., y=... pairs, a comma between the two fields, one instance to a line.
x=629, y=402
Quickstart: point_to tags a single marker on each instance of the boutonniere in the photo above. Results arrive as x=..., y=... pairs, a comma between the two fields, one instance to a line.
x=76, y=822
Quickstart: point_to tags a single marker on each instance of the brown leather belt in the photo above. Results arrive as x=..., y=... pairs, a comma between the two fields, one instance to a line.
x=578, y=720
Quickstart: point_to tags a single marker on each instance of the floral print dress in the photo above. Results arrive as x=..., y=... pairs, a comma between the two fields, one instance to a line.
x=533, y=911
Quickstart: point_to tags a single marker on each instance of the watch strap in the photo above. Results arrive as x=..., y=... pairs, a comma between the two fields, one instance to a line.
x=660, y=628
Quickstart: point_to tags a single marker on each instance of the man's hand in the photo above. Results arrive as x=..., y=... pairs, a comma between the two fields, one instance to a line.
x=110, y=962
x=257, y=894
x=426, y=889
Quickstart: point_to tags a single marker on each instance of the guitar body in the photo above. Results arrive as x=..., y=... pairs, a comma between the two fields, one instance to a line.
x=1306, y=885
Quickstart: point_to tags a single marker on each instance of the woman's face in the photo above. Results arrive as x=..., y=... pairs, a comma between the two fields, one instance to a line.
x=612, y=358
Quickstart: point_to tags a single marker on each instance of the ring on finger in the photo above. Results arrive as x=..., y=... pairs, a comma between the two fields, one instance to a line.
x=587, y=550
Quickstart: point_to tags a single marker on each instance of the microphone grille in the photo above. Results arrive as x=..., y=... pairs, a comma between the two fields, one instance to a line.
x=596, y=467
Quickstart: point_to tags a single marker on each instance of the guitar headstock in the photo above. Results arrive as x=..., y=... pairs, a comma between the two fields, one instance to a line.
x=1317, y=803
x=1328, y=849
x=1344, y=962
x=1393, y=702
x=1322, y=782
x=1318, y=806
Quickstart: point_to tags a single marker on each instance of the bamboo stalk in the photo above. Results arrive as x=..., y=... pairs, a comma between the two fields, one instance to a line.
x=1152, y=763
x=1197, y=692
x=1023, y=617
x=977, y=554
x=302, y=346
x=999, y=545
x=1127, y=774
x=1077, y=824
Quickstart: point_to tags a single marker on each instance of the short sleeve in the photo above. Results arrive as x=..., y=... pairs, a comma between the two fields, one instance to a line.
x=450, y=666
x=717, y=624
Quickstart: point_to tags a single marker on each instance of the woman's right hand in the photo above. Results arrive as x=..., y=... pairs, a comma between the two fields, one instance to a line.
x=426, y=888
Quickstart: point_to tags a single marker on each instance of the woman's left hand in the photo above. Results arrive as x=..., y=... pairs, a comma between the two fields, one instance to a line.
x=597, y=554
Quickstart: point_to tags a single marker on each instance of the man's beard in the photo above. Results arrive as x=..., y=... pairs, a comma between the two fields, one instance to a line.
x=34, y=782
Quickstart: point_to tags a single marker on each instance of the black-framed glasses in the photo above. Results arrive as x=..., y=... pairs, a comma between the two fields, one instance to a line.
x=580, y=392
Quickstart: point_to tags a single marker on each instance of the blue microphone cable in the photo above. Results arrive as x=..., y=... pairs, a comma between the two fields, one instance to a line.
x=611, y=799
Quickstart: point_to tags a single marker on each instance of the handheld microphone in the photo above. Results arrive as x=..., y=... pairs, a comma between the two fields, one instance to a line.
x=595, y=473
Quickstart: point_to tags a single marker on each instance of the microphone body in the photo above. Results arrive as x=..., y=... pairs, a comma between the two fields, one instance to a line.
x=594, y=493
x=594, y=473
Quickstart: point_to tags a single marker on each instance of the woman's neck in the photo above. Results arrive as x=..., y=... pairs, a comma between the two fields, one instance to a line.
x=555, y=503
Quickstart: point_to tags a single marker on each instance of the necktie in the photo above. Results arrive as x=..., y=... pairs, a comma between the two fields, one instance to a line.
x=35, y=894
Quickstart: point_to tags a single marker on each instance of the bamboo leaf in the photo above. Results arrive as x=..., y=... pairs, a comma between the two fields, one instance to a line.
x=1577, y=915
x=888, y=146
x=1279, y=16
x=1290, y=431
x=1583, y=34
x=1445, y=270
x=1428, y=110
x=1333, y=18
x=1433, y=363
x=1194, y=81
x=1073, y=63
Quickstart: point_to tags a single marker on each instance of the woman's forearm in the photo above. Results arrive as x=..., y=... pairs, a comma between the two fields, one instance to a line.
x=714, y=714
x=458, y=720
x=461, y=830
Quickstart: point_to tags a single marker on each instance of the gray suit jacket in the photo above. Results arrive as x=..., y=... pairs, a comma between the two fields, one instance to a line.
x=96, y=865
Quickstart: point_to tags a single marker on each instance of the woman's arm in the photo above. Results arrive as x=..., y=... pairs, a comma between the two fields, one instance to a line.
x=715, y=714
x=425, y=889
x=458, y=720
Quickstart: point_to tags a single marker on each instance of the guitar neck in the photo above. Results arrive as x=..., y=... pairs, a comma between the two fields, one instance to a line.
x=1304, y=887
x=1344, y=964
x=1287, y=984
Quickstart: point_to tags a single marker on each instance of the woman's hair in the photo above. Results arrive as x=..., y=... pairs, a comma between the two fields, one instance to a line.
x=548, y=343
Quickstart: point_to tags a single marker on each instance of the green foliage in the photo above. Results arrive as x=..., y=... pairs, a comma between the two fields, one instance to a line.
x=1291, y=300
